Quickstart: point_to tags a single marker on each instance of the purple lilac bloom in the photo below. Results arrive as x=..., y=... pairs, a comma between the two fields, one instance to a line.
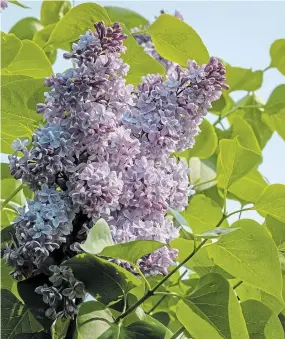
x=106, y=150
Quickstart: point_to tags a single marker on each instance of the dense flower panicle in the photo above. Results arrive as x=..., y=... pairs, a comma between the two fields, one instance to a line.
x=167, y=114
x=106, y=151
x=61, y=296
x=40, y=230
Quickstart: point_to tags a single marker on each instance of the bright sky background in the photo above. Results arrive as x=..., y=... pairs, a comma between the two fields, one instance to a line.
x=239, y=32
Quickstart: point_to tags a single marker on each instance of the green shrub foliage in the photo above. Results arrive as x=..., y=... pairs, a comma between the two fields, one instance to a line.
x=114, y=218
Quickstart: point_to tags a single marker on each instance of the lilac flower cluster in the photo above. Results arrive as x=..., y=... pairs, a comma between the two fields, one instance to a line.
x=106, y=152
x=39, y=231
x=61, y=296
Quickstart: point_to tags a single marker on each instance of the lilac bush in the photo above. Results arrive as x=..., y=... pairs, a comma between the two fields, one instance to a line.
x=106, y=151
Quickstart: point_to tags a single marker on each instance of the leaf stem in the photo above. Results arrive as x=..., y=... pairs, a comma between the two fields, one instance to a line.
x=177, y=333
x=239, y=211
x=156, y=304
x=11, y=196
x=143, y=277
x=265, y=69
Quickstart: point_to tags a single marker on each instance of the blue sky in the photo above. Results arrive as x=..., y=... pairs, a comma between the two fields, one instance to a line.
x=240, y=32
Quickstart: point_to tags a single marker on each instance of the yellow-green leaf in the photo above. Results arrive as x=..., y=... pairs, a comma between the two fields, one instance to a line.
x=26, y=28
x=234, y=162
x=249, y=187
x=53, y=11
x=272, y=201
x=261, y=322
x=250, y=255
x=243, y=79
x=19, y=117
x=128, y=17
x=277, y=52
x=176, y=41
x=76, y=22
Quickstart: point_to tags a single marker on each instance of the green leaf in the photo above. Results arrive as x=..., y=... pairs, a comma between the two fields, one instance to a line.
x=96, y=321
x=216, y=233
x=19, y=118
x=131, y=251
x=245, y=134
x=276, y=122
x=276, y=101
x=7, y=216
x=250, y=255
x=7, y=281
x=176, y=41
x=105, y=281
x=253, y=114
x=76, y=22
x=128, y=17
x=15, y=2
x=34, y=301
x=248, y=292
x=205, y=143
x=201, y=263
x=272, y=201
x=260, y=321
x=10, y=47
x=223, y=105
x=15, y=317
x=93, y=320
x=53, y=11
x=30, y=61
x=37, y=335
x=137, y=330
x=184, y=246
x=234, y=162
x=5, y=171
x=8, y=186
x=41, y=37
x=214, y=194
x=217, y=301
x=277, y=229
x=186, y=231
x=98, y=238
x=196, y=322
x=26, y=28
x=202, y=213
x=7, y=233
x=202, y=171
x=277, y=52
x=165, y=331
x=243, y=79
x=59, y=328
x=140, y=62
x=249, y=187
